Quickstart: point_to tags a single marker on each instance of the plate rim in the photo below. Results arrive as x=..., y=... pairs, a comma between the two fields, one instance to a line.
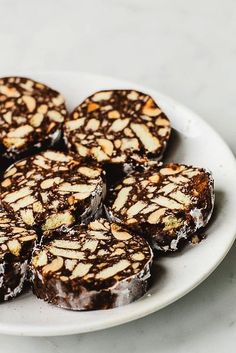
x=35, y=331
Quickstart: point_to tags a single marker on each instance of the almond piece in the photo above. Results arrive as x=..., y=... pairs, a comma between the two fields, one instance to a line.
x=96, y=225
x=155, y=216
x=133, y=95
x=107, y=146
x=48, y=183
x=119, y=124
x=129, y=143
x=29, y=102
x=150, y=109
x=129, y=181
x=27, y=216
x=181, y=197
x=99, y=154
x=10, y=142
x=8, y=117
x=59, y=100
x=113, y=270
x=57, y=220
x=90, y=245
x=89, y=172
x=53, y=266
x=55, y=116
x=139, y=256
x=81, y=270
x=162, y=122
x=6, y=182
x=83, y=151
x=66, y=244
x=167, y=189
x=136, y=208
x=150, y=142
x=9, y=91
x=16, y=195
x=113, y=114
x=150, y=208
x=67, y=253
x=57, y=156
x=20, y=132
x=74, y=124
x=171, y=171
x=22, y=203
x=168, y=203
x=81, y=188
x=119, y=233
x=154, y=178
x=121, y=198
x=14, y=246
x=93, y=124
x=36, y=119
x=104, y=95
x=70, y=264
x=41, y=259
x=38, y=207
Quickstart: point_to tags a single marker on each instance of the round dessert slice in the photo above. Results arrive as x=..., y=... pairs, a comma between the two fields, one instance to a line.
x=53, y=189
x=165, y=204
x=31, y=116
x=16, y=244
x=101, y=266
x=112, y=126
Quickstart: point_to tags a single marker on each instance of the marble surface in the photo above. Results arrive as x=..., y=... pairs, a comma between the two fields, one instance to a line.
x=185, y=49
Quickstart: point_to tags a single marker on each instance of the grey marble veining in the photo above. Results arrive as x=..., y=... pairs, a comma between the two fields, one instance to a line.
x=185, y=49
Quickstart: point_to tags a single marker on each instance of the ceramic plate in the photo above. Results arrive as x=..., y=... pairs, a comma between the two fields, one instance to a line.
x=193, y=142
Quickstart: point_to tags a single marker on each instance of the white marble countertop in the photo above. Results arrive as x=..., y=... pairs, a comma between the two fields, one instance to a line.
x=185, y=49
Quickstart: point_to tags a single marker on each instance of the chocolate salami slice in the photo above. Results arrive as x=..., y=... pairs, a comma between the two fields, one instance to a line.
x=112, y=126
x=165, y=204
x=101, y=266
x=16, y=244
x=31, y=116
x=53, y=189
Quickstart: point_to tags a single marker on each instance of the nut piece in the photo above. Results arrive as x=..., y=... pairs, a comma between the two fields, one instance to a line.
x=149, y=141
x=107, y=146
x=54, y=266
x=121, y=198
x=30, y=103
x=113, y=270
x=105, y=95
x=150, y=110
x=155, y=216
x=14, y=246
x=57, y=220
x=81, y=270
x=119, y=233
x=136, y=208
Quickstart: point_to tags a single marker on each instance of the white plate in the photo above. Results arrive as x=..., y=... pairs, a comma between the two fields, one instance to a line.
x=195, y=143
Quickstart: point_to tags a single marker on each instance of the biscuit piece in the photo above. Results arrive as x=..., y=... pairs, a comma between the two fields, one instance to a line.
x=16, y=244
x=31, y=116
x=163, y=204
x=112, y=126
x=53, y=189
x=101, y=266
